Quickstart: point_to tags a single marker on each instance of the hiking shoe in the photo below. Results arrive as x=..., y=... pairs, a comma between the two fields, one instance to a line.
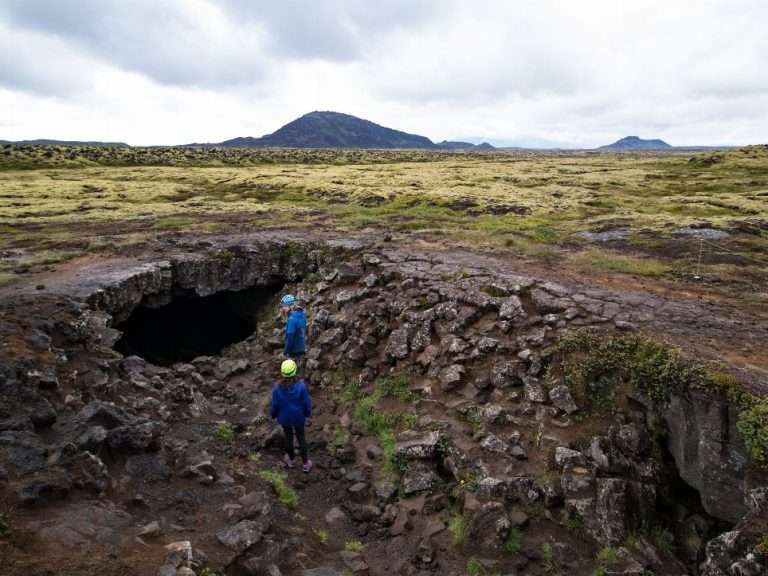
x=288, y=461
x=307, y=466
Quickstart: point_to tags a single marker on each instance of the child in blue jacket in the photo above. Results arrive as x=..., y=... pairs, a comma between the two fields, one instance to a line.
x=295, y=327
x=291, y=405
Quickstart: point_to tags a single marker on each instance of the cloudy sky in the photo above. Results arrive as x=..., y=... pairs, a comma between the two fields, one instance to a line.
x=524, y=72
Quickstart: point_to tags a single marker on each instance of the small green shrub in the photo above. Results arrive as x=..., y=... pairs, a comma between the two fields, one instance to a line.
x=594, y=364
x=323, y=536
x=340, y=438
x=574, y=523
x=536, y=510
x=354, y=546
x=474, y=567
x=5, y=527
x=513, y=542
x=663, y=540
x=285, y=494
x=396, y=385
x=752, y=424
x=474, y=420
x=225, y=433
x=762, y=545
x=632, y=540
x=457, y=526
x=548, y=557
x=607, y=556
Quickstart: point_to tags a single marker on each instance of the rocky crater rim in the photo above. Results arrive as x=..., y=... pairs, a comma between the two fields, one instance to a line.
x=700, y=422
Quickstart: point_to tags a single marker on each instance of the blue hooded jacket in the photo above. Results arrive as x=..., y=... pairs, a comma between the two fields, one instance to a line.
x=291, y=405
x=295, y=330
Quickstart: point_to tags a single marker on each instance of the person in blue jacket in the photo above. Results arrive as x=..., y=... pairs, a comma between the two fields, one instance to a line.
x=291, y=406
x=295, y=328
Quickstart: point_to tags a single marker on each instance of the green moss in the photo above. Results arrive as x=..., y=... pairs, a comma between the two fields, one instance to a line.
x=7, y=277
x=594, y=365
x=174, y=222
x=622, y=263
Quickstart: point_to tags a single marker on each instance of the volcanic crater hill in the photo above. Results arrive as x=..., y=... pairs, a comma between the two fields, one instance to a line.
x=636, y=143
x=336, y=130
x=467, y=420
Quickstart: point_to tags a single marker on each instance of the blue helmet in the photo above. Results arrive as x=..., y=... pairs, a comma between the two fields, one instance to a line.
x=287, y=300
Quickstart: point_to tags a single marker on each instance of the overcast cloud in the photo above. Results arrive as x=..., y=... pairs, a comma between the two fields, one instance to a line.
x=524, y=72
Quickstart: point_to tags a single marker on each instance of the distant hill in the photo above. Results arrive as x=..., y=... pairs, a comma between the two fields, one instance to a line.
x=337, y=130
x=46, y=142
x=636, y=143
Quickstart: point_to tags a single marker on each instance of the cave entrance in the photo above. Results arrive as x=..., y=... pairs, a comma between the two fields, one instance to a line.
x=192, y=326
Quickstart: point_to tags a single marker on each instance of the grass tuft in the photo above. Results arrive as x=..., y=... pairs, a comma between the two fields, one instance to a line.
x=285, y=494
x=622, y=263
x=513, y=542
x=457, y=526
x=475, y=567
x=354, y=546
x=225, y=433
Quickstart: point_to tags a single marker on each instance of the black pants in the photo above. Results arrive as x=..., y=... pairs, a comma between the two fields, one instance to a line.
x=299, y=431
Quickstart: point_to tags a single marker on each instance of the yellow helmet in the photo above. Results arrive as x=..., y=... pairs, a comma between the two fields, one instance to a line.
x=289, y=368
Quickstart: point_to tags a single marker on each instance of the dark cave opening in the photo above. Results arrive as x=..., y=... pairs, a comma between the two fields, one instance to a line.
x=192, y=326
x=683, y=526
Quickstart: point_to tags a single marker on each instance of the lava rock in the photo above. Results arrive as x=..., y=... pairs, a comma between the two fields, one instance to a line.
x=148, y=467
x=43, y=414
x=92, y=439
x=451, y=377
x=561, y=398
x=138, y=436
x=242, y=535
x=44, y=491
x=398, y=344
x=24, y=450
x=418, y=477
x=413, y=445
x=489, y=527
x=104, y=414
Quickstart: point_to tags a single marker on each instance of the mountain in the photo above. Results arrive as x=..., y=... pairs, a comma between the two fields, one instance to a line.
x=47, y=142
x=333, y=130
x=337, y=130
x=635, y=143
